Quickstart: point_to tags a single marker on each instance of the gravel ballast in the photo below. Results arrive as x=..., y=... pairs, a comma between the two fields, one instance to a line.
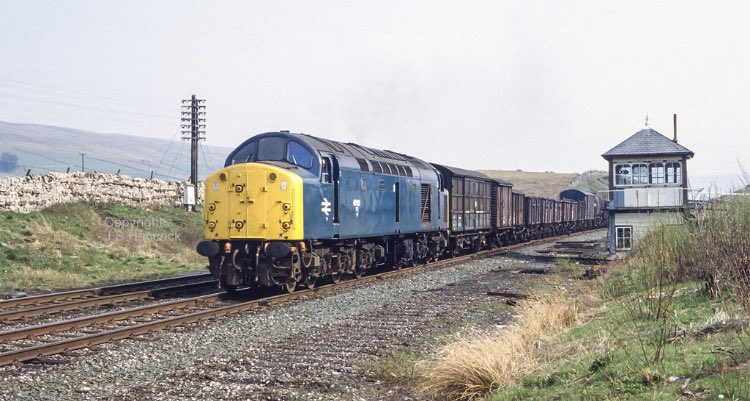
x=314, y=348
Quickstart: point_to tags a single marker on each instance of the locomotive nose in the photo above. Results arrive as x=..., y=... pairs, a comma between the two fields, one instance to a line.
x=253, y=201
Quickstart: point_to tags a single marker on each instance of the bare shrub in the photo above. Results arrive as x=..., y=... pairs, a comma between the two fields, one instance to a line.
x=721, y=254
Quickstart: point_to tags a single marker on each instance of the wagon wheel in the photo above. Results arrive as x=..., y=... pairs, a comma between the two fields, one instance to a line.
x=477, y=245
x=335, y=277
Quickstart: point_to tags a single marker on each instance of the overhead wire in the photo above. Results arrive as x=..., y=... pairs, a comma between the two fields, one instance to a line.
x=179, y=151
x=118, y=111
x=11, y=83
x=47, y=89
x=47, y=93
x=164, y=156
x=205, y=159
x=130, y=167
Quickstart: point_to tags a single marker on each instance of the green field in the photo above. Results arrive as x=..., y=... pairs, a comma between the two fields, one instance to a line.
x=83, y=244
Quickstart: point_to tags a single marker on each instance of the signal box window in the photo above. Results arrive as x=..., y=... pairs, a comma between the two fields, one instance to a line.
x=674, y=172
x=624, y=237
x=657, y=173
x=640, y=174
x=622, y=175
x=298, y=155
x=631, y=174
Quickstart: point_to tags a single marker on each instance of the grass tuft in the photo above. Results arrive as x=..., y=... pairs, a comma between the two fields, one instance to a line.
x=478, y=362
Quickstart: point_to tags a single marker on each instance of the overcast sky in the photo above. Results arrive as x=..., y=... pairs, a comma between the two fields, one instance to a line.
x=538, y=86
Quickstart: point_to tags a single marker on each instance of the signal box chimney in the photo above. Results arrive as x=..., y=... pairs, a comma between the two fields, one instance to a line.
x=675, y=128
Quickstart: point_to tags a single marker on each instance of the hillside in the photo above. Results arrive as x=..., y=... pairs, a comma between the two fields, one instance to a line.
x=43, y=148
x=83, y=244
x=550, y=184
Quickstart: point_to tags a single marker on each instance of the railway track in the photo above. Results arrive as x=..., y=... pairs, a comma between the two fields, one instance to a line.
x=38, y=342
x=54, y=303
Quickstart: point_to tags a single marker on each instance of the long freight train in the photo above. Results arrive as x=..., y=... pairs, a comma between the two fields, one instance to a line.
x=291, y=209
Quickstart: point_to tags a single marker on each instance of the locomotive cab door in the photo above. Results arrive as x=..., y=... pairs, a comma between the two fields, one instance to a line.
x=329, y=181
x=336, y=188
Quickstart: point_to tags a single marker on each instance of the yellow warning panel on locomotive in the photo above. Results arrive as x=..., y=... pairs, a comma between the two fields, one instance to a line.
x=254, y=201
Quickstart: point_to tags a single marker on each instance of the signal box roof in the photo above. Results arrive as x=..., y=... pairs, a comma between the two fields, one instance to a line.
x=647, y=142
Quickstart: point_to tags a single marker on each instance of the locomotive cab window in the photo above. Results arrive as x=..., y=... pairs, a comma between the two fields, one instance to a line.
x=298, y=155
x=271, y=148
x=325, y=170
x=244, y=154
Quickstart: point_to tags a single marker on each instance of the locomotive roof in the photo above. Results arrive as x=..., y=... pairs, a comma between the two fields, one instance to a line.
x=360, y=151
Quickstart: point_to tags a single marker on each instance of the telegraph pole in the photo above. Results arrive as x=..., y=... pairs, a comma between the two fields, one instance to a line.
x=83, y=155
x=193, y=129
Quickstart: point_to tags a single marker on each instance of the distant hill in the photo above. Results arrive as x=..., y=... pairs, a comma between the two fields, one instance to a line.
x=550, y=184
x=44, y=148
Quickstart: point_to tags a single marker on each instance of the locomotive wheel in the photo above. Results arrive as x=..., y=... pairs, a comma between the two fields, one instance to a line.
x=311, y=282
x=229, y=288
x=290, y=286
x=335, y=277
x=358, y=271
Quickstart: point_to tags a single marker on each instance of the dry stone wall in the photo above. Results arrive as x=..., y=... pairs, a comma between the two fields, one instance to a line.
x=29, y=194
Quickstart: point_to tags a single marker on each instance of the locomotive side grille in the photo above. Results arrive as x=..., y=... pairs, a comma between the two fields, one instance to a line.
x=426, y=204
x=363, y=164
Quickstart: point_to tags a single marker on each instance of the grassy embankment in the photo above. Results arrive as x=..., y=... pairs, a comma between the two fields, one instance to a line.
x=670, y=322
x=84, y=244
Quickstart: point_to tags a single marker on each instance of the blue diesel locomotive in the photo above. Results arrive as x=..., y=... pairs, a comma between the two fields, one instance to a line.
x=289, y=209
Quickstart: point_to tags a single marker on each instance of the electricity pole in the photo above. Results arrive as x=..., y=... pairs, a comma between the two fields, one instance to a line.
x=83, y=155
x=193, y=129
